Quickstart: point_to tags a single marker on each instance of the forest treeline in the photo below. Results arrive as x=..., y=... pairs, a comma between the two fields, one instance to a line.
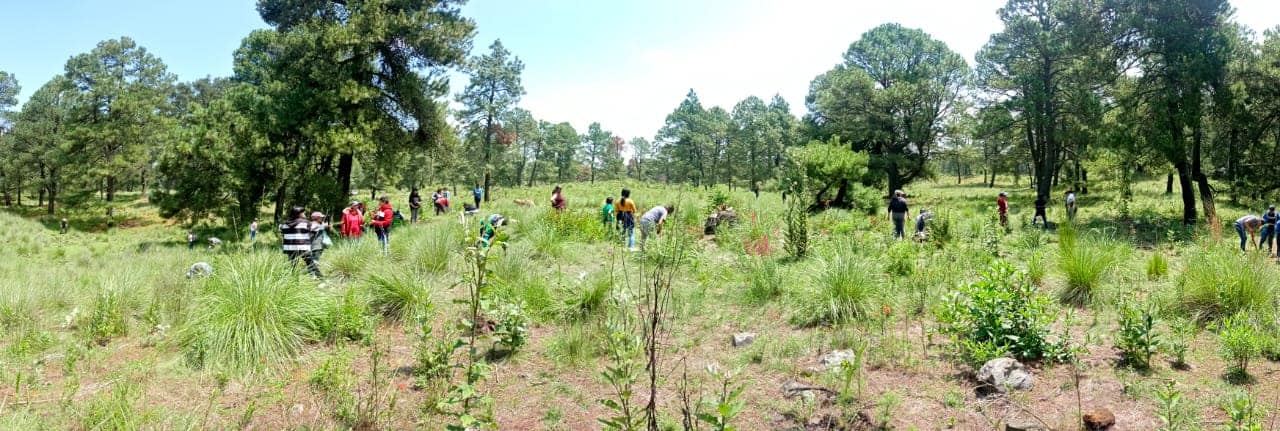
x=350, y=95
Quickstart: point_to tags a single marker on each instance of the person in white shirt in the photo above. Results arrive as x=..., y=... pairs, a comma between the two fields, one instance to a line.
x=1071, y=205
x=651, y=222
x=1250, y=224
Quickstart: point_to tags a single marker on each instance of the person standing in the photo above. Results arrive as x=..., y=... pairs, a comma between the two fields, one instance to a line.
x=898, y=212
x=319, y=236
x=1249, y=223
x=296, y=241
x=626, y=212
x=253, y=230
x=64, y=226
x=606, y=213
x=415, y=205
x=382, y=223
x=191, y=240
x=352, y=221
x=436, y=201
x=1070, y=202
x=652, y=221
x=1002, y=208
x=477, y=193
x=557, y=199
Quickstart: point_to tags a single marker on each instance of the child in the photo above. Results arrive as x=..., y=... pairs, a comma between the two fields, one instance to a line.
x=606, y=212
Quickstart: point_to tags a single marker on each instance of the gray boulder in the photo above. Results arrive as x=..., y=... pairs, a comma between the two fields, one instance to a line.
x=832, y=360
x=743, y=338
x=1004, y=374
x=200, y=269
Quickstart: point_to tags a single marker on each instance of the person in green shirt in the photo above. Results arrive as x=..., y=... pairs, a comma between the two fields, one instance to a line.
x=606, y=213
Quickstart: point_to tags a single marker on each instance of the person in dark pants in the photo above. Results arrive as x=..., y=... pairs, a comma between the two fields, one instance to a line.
x=898, y=212
x=297, y=240
x=1269, y=220
x=1002, y=209
x=1246, y=226
x=477, y=193
x=415, y=205
x=191, y=240
x=64, y=225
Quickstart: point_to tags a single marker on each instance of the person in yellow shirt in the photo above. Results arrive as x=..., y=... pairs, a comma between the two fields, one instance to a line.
x=626, y=210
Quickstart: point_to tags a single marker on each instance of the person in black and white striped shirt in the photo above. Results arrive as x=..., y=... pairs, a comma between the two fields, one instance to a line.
x=297, y=240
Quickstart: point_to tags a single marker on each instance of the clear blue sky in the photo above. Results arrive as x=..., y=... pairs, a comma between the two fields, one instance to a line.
x=623, y=63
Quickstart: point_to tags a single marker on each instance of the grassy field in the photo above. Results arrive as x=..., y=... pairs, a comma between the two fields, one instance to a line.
x=1163, y=325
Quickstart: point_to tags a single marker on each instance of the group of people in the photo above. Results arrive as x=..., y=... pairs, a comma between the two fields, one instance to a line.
x=1269, y=226
x=898, y=212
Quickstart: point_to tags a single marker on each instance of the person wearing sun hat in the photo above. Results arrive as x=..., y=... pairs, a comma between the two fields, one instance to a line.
x=319, y=236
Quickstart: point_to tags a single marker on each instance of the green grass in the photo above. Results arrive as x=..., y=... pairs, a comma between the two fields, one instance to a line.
x=1217, y=282
x=1085, y=265
x=843, y=288
x=254, y=313
x=397, y=294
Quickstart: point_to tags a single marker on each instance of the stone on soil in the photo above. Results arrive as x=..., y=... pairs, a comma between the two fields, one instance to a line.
x=1004, y=374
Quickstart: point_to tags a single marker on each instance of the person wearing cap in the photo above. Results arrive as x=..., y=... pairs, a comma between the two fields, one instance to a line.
x=319, y=236
x=898, y=212
x=1269, y=220
x=489, y=228
x=352, y=221
x=1002, y=208
x=296, y=240
x=1249, y=223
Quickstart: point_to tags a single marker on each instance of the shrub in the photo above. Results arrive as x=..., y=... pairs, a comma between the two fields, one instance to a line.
x=1157, y=266
x=1219, y=283
x=109, y=317
x=1239, y=343
x=116, y=410
x=397, y=294
x=1084, y=265
x=349, y=258
x=1138, y=339
x=902, y=259
x=843, y=289
x=1001, y=312
x=797, y=218
x=253, y=312
x=587, y=300
x=1036, y=268
x=349, y=319
x=511, y=329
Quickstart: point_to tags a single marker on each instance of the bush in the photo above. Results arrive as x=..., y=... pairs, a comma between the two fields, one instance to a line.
x=1084, y=265
x=588, y=300
x=349, y=258
x=1138, y=339
x=109, y=317
x=1001, y=312
x=253, y=312
x=349, y=319
x=797, y=218
x=1217, y=283
x=843, y=289
x=1239, y=343
x=397, y=294
x=902, y=259
x=116, y=410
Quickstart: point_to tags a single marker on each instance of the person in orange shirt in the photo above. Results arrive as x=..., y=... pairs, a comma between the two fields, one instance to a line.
x=626, y=211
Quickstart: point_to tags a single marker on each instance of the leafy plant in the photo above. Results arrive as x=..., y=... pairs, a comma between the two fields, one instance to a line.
x=1001, y=311
x=1239, y=342
x=621, y=375
x=725, y=406
x=109, y=316
x=797, y=218
x=889, y=401
x=902, y=260
x=1172, y=409
x=511, y=328
x=1243, y=411
x=117, y=409
x=1138, y=339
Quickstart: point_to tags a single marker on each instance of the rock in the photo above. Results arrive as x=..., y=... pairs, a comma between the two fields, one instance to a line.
x=1006, y=373
x=1099, y=419
x=743, y=338
x=792, y=388
x=1023, y=423
x=832, y=360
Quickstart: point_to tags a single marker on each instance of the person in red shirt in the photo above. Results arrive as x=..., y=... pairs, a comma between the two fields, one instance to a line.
x=382, y=223
x=1002, y=207
x=352, y=221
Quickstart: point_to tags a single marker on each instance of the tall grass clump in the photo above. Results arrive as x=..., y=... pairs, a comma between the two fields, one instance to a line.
x=255, y=311
x=116, y=410
x=349, y=258
x=764, y=280
x=588, y=300
x=398, y=294
x=433, y=250
x=842, y=289
x=1216, y=283
x=1084, y=265
x=1157, y=266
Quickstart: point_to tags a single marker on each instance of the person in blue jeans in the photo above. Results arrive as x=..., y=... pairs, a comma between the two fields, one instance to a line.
x=1246, y=226
x=477, y=193
x=1269, y=220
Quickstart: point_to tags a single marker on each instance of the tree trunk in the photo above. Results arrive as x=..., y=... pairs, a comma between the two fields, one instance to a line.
x=1188, y=193
x=1168, y=184
x=143, y=181
x=53, y=195
x=1202, y=181
x=345, y=164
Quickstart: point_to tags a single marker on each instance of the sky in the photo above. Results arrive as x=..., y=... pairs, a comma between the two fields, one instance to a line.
x=624, y=64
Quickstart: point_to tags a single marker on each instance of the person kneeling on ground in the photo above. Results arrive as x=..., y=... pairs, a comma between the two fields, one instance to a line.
x=489, y=229
x=1250, y=224
x=297, y=240
x=651, y=222
x=921, y=220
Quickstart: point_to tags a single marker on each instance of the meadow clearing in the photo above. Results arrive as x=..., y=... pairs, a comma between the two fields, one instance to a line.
x=1165, y=326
